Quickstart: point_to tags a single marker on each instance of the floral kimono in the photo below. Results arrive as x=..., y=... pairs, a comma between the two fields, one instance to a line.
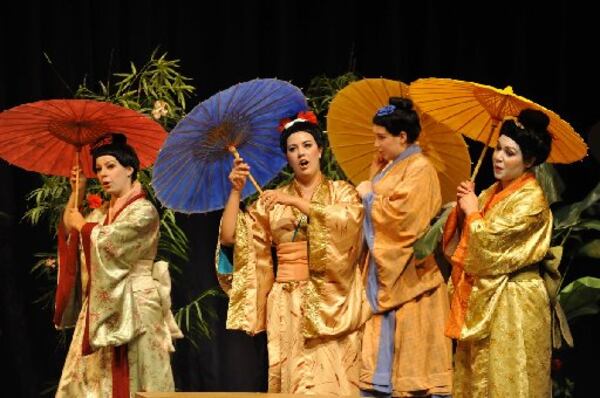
x=313, y=307
x=122, y=338
x=405, y=352
x=500, y=312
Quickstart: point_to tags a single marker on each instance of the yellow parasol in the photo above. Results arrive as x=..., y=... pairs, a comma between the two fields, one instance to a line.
x=477, y=111
x=349, y=127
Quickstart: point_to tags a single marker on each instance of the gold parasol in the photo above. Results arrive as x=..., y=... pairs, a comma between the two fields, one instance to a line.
x=349, y=127
x=477, y=111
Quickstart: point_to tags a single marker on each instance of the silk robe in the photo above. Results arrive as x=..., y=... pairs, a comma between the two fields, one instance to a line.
x=500, y=312
x=405, y=352
x=125, y=314
x=313, y=326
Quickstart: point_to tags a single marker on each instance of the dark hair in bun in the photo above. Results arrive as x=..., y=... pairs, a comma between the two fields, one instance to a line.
x=530, y=131
x=399, y=116
x=115, y=144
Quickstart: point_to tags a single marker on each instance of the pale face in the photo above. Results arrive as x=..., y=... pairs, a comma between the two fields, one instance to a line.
x=388, y=145
x=113, y=176
x=508, y=160
x=303, y=154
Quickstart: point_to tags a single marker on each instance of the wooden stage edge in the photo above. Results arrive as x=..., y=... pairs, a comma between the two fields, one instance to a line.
x=220, y=395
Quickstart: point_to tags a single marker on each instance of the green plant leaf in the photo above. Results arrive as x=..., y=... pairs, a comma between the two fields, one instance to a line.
x=570, y=215
x=587, y=225
x=590, y=249
x=426, y=244
x=551, y=183
x=580, y=297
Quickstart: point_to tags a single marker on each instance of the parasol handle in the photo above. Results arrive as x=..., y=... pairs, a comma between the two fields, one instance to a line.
x=236, y=155
x=485, y=148
x=77, y=180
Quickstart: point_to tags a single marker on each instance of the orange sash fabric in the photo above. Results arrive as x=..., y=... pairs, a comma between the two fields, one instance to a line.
x=292, y=261
x=463, y=282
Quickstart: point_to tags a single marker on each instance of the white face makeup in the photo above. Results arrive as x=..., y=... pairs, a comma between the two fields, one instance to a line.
x=508, y=160
x=113, y=176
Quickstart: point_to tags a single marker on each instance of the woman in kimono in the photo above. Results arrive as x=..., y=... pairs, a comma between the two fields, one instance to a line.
x=313, y=306
x=500, y=312
x=405, y=352
x=122, y=338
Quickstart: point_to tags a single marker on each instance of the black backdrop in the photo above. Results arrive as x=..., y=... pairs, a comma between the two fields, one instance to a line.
x=547, y=53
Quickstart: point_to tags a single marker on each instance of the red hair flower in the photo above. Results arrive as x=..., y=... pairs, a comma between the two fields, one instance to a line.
x=282, y=124
x=94, y=201
x=309, y=116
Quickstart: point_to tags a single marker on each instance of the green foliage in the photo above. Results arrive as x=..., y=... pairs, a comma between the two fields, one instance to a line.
x=322, y=89
x=581, y=297
x=192, y=318
x=550, y=182
x=158, y=79
x=49, y=201
x=425, y=245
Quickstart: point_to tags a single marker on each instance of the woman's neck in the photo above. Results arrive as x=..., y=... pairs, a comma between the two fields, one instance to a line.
x=308, y=184
x=124, y=192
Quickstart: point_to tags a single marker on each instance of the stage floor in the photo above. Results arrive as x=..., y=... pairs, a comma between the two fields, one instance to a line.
x=219, y=395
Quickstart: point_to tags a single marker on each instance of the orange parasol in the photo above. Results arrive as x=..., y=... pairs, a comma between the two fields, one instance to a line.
x=477, y=111
x=349, y=125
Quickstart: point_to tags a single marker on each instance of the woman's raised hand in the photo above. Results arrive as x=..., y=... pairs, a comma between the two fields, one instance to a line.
x=377, y=164
x=82, y=180
x=466, y=198
x=239, y=174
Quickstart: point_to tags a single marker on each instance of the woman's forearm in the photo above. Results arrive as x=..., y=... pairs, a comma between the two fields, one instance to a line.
x=232, y=207
x=301, y=204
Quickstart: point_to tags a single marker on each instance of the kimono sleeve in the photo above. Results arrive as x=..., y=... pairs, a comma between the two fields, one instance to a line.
x=114, y=250
x=252, y=274
x=334, y=301
x=517, y=236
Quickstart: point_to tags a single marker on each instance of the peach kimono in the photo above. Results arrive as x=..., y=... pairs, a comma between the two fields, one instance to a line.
x=314, y=305
x=405, y=352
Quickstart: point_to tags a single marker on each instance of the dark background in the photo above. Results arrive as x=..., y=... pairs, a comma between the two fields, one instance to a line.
x=548, y=53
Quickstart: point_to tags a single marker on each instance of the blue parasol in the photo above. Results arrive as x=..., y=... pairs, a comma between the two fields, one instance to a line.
x=191, y=172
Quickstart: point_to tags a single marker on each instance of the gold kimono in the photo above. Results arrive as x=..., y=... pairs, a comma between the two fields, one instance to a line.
x=122, y=338
x=314, y=308
x=405, y=352
x=500, y=312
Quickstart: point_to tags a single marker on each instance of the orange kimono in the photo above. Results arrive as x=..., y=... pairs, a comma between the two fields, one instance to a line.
x=314, y=306
x=405, y=352
x=500, y=311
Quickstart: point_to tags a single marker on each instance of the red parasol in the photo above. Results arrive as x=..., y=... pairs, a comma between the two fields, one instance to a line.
x=48, y=136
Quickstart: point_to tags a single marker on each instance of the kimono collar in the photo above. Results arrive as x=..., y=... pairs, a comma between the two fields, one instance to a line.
x=409, y=151
x=499, y=193
x=134, y=193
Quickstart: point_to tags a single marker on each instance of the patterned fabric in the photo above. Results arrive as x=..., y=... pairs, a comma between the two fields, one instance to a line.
x=405, y=352
x=500, y=310
x=128, y=304
x=314, y=326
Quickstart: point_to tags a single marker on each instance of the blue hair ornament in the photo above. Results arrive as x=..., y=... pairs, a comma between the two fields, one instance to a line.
x=386, y=110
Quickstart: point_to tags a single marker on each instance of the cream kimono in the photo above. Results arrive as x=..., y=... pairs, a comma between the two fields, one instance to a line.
x=500, y=310
x=122, y=339
x=313, y=309
x=405, y=352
